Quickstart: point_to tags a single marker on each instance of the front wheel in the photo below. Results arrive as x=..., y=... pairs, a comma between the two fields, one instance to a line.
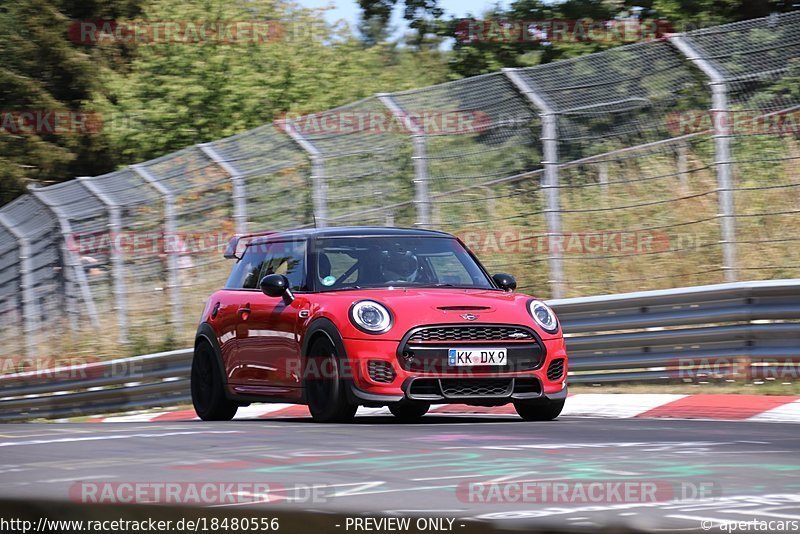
x=325, y=388
x=409, y=411
x=208, y=391
x=539, y=409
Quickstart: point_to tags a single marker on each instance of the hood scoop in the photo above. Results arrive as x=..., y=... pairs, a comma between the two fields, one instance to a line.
x=463, y=308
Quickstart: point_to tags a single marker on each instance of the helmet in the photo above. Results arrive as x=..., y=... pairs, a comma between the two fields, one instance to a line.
x=399, y=266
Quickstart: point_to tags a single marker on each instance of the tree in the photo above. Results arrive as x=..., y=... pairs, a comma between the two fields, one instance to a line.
x=179, y=93
x=44, y=76
x=501, y=42
x=422, y=16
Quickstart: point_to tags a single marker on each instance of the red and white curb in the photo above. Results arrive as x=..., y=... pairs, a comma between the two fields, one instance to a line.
x=762, y=408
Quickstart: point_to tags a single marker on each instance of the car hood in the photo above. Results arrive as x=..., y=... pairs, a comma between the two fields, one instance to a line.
x=413, y=307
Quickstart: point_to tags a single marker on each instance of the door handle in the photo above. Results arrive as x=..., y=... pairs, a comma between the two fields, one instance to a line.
x=244, y=312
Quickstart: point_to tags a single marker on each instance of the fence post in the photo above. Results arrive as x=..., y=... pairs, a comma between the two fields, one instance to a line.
x=602, y=172
x=239, y=186
x=722, y=148
x=550, y=185
x=29, y=316
x=170, y=232
x=72, y=258
x=421, y=179
x=117, y=260
x=318, y=182
x=682, y=155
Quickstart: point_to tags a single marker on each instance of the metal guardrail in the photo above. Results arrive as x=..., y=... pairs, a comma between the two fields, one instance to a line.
x=743, y=329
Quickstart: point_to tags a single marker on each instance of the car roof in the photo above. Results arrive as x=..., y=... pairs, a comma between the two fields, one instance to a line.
x=348, y=231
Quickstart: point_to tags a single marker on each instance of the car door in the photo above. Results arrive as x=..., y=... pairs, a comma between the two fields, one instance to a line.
x=269, y=349
x=241, y=287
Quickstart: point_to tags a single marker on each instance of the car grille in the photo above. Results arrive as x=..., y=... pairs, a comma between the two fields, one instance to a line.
x=471, y=333
x=381, y=371
x=556, y=369
x=476, y=387
x=473, y=389
x=425, y=349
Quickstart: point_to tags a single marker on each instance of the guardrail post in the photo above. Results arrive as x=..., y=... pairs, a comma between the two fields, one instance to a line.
x=420, y=158
x=550, y=184
x=171, y=232
x=29, y=315
x=318, y=182
x=73, y=261
x=239, y=186
x=722, y=148
x=117, y=259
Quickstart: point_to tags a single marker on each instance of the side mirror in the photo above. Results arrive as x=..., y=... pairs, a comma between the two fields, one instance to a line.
x=276, y=285
x=504, y=281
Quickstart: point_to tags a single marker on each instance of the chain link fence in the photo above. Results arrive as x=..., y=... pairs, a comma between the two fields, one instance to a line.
x=654, y=165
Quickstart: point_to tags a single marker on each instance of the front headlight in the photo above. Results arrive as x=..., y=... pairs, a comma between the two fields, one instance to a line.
x=371, y=317
x=543, y=316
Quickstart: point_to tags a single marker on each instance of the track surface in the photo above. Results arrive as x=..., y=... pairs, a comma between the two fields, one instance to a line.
x=378, y=465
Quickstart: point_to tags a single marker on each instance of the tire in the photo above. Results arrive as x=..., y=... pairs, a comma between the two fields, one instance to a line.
x=208, y=391
x=539, y=409
x=409, y=411
x=325, y=389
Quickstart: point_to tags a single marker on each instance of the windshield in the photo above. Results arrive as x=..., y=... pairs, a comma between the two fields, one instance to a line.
x=395, y=261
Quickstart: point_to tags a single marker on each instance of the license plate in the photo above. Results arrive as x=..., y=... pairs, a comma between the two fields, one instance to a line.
x=466, y=357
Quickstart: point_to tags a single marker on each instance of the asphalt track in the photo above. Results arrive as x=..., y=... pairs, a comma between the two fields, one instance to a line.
x=748, y=471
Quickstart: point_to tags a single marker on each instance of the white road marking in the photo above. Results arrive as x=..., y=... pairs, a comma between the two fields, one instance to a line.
x=73, y=479
x=114, y=436
x=624, y=405
x=444, y=478
x=781, y=414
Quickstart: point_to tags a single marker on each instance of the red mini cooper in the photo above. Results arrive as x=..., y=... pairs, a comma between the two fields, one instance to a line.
x=340, y=317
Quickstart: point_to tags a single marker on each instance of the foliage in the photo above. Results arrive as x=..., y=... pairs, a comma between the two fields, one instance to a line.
x=42, y=71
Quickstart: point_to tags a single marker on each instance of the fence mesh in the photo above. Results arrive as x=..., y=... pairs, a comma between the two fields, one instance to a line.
x=367, y=162
x=482, y=138
x=275, y=170
x=34, y=223
x=760, y=63
x=203, y=216
x=10, y=293
x=639, y=167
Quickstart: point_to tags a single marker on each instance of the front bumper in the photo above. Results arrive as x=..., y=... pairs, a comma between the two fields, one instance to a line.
x=486, y=388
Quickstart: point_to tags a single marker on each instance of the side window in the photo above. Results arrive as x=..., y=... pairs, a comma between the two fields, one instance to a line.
x=245, y=274
x=336, y=264
x=288, y=258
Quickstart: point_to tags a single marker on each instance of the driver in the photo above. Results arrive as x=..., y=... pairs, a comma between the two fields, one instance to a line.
x=399, y=266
